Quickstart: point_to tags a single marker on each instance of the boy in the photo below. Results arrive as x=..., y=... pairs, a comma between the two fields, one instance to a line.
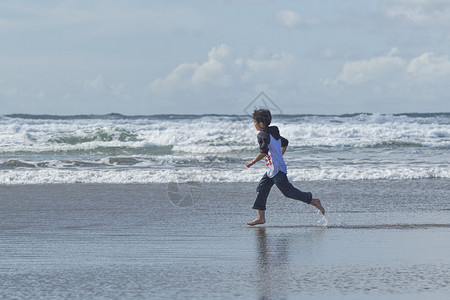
x=272, y=147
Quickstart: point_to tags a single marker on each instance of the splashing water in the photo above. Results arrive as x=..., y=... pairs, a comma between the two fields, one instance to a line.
x=323, y=222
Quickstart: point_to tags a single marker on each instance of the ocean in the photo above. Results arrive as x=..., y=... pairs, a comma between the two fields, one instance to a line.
x=37, y=149
x=155, y=207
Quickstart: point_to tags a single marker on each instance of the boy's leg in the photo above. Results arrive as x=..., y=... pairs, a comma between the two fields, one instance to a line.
x=290, y=191
x=263, y=189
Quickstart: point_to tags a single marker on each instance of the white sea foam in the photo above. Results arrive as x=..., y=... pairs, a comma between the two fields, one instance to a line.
x=117, y=149
x=56, y=175
x=195, y=135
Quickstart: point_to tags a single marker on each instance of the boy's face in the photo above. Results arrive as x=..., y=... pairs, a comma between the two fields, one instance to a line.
x=259, y=125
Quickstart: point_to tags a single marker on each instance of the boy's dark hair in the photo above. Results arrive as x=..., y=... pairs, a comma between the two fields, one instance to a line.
x=262, y=115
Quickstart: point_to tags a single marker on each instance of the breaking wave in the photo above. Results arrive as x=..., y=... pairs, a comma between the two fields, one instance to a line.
x=211, y=148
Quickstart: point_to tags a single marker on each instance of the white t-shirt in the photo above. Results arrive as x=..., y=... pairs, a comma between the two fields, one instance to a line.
x=270, y=142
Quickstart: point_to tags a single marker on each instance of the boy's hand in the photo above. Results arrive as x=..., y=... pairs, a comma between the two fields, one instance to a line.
x=255, y=160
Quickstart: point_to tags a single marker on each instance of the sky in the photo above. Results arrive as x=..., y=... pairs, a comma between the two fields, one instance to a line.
x=139, y=57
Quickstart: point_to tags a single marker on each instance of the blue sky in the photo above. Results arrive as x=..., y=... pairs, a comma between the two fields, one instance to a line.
x=215, y=56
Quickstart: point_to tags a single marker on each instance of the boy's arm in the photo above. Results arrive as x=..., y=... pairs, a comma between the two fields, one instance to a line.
x=263, y=141
x=284, y=144
x=256, y=159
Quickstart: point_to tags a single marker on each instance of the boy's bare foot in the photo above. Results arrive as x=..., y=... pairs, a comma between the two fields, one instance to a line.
x=316, y=203
x=256, y=222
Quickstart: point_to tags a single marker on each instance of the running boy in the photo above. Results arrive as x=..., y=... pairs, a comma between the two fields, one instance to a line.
x=272, y=147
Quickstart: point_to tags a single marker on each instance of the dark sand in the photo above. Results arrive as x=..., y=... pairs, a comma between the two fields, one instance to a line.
x=384, y=239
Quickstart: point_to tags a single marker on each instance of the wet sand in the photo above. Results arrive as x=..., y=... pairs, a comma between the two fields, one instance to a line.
x=384, y=239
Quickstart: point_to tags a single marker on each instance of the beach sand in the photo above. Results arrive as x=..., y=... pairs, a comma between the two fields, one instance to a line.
x=384, y=239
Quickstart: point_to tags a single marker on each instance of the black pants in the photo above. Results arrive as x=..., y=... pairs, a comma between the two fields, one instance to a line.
x=283, y=184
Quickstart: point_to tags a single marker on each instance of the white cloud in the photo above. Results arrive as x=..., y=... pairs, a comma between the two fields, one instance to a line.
x=358, y=72
x=429, y=67
x=239, y=62
x=179, y=78
x=212, y=71
x=393, y=71
x=414, y=14
x=266, y=63
x=196, y=76
x=222, y=70
x=421, y=12
x=290, y=18
x=421, y=2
